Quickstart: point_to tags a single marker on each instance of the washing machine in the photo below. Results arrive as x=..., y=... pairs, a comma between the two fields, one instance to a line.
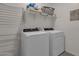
x=34, y=43
x=56, y=42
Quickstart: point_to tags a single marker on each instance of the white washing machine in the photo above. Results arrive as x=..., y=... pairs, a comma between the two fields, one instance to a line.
x=35, y=44
x=56, y=42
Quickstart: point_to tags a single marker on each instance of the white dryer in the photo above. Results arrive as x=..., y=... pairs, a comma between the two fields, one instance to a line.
x=34, y=44
x=56, y=42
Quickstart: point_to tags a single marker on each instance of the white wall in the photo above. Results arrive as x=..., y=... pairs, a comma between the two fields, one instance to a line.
x=36, y=20
x=70, y=28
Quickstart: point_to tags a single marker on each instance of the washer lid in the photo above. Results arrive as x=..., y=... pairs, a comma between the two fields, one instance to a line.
x=53, y=31
x=34, y=33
